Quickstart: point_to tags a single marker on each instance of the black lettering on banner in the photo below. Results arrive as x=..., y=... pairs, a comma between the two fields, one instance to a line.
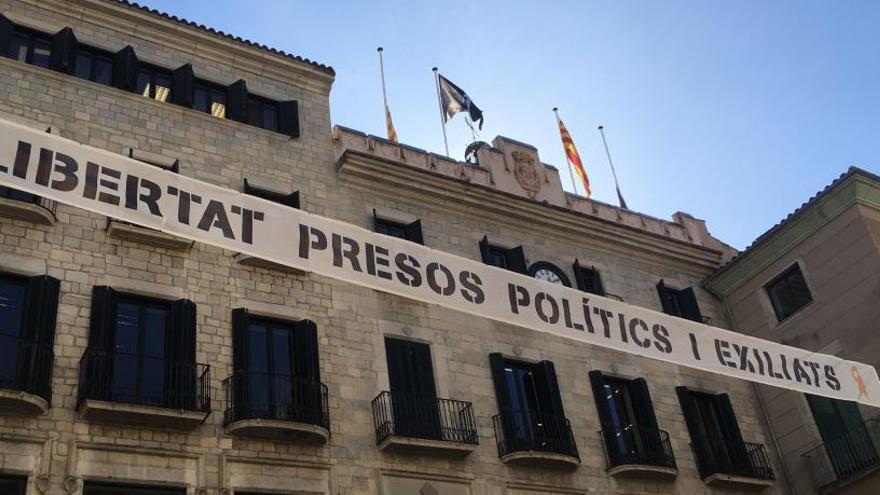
x=519, y=297
x=540, y=298
x=350, y=252
x=215, y=216
x=742, y=353
x=111, y=184
x=814, y=367
x=22, y=160
x=831, y=378
x=185, y=199
x=408, y=272
x=431, y=273
x=44, y=167
x=566, y=314
x=784, y=362
x=639, y=323
x=799, y=373
x=310, y=238
x=150, y=198
x=60, y=163
x=377, y=255
x=661, y=339
x=604, y=315
x=621, y=319
x=694, y=347
x=90, y=187
x=585, y=302
x=248, y=217
x=774, y=374
x=722, y=349
x=759, y=360
x=471, y=290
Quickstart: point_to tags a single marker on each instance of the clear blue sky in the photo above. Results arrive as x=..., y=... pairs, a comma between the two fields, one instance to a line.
x=733, y=111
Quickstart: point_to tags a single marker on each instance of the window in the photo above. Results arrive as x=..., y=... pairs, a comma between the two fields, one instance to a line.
x=97, y=488
x=847, y=440
x=276, y=371
x=94, y=66
x=30, y=47
x=512, y=259
x=13, y=485
x=262, y=113
x=409, y=231
x=25, y=197
x=153, y=82
x=413, y=392
x=142, y=351
x=679, y=302
x=291, y=200
x=788, y=292
x=28, y=309
x=629, y=426
x=209, y=98
x=588, y=279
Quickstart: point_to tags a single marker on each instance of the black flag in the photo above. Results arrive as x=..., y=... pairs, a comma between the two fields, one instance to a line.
x=453, y=100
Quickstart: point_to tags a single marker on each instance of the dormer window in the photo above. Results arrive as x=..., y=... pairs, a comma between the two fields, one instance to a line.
x=289, y=199
x=410, y=231
x=513, y=259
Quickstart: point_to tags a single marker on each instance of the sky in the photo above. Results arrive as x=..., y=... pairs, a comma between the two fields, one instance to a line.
x=733, y=111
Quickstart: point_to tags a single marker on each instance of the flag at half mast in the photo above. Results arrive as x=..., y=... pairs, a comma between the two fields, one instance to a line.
x=571, y=154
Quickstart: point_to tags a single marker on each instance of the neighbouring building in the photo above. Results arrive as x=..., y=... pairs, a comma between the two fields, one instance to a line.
x=137, y=362
x=811, y=282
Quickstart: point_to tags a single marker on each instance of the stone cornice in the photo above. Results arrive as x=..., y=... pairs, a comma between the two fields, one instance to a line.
x=420, y=185
x=195, y=43
x=859, y=188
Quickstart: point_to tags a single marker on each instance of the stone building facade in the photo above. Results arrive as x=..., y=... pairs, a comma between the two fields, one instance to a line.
x=810, y=282
x=71, y=430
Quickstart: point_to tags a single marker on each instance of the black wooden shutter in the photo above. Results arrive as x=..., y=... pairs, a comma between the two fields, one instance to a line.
x=293, y=200
x=180, y=355
x=307, y=371
x=484, y=250
x=597, y=381
x=63, y=56
x=125, y=67
x=414, y=232
x=665, y=299
x=375, y=221
x=237, y=101
x=597, y=282
x=699, y=441
x=502, y=394
x=579, y=278
x=547, y=389
x=646, y=419
x=182, y=80
x=687, y=302
x=239, y=340
x=35, y=355
x=733, y=438
x=96, y=382
x=288, y=118
x=516, y=260
x=7, y=31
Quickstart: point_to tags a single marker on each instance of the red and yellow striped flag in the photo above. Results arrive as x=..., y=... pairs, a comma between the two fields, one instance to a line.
x=574, y=159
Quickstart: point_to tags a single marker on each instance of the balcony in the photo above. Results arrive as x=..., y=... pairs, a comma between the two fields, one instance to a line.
x=405, y=423
x=739, y=465
x=610, y=296
x=845, y=460
x=127, y=231
x=118, y=387
x=530, y=439
x=25, y=376
x=26, y=206
x=276, y=407
x=639, y=453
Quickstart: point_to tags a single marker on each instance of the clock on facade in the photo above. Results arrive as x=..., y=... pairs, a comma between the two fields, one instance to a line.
x=548, y=272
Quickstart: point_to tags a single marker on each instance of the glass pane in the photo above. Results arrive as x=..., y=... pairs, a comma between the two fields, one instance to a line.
x=155, y=322
x=282, y=370
x=269, y=118
x=103, y=70
x=124, y=377
x=126, y=336
x=83, y=65
x=152, y=377
x=143, y=83
x=12, y=298
x=200, y=99
x=163, y=87
x=18, y=48
x=255, y=113
x=42, y=49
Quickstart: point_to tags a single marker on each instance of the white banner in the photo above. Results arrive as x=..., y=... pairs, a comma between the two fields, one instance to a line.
x=126, y=189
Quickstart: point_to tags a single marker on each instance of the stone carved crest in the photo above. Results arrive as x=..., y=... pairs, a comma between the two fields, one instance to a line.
x=427, y=489
x=526, y=172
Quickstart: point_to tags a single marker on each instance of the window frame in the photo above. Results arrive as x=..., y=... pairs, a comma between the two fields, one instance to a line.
x=32, y=37
x=93, y=54
x=143, y=303
x=211, y=90
x=392, y=228
x=153, y=70
x=784, y=277
x=264, y=103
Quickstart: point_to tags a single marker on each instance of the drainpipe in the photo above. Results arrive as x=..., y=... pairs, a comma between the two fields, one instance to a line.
x=764, y=414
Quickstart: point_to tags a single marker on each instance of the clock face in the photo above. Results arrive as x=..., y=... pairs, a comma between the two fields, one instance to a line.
x=548, y=272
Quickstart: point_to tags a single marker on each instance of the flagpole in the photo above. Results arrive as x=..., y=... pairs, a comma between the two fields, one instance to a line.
x=570, y=171
x=620, y=199
x=382, y=72
x=440, y=105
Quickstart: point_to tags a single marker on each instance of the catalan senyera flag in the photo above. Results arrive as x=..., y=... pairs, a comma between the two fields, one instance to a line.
x=574, y=159
x=389, y=125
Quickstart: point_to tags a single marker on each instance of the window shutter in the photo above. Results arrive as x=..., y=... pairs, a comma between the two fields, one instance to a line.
x=293, y=200
x=239, y=339
x=484, y=249
x=665, y=301
x=180, y=356
x=305, y=348
x=7, y=31
x=502, y=394
x=547, y=388
x=182, y=82
x=375, y=221
x=102, y=320
x=63, y=57
x=597, y=282
x=646, y=420
x=288, y=118
x=414, y=232
x=597, y=381
x=699, y=441
x=125, y=65
x=733, y=437
x=516, y=257
x=579, y=278
x=687, y=301
x=35, y=359
x=236, y=101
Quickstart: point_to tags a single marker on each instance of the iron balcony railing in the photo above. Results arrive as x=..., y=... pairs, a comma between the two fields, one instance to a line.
x=846, y=456
x=144, y=380
x=524, y=431
x=637, y=446
x=722, y=456
x=611, y=296
x=26, y=366
x=429, y=418
x=26, y=197
x=275, y=396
